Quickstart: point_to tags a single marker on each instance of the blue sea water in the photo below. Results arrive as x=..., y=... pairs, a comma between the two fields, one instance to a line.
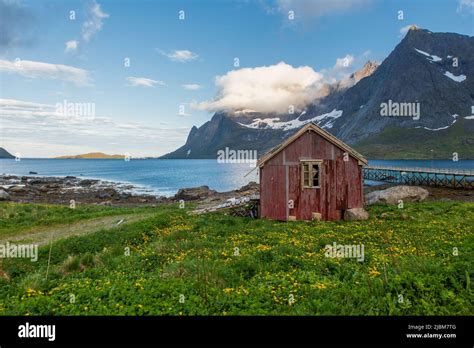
x=166, y=177
x=156, y=176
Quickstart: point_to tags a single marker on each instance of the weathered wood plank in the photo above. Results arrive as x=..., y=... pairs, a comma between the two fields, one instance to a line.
x=340, y=186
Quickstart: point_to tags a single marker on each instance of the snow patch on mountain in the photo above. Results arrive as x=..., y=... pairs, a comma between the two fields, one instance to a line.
x=430, y=57
x=453, y=77
x=440, y=128
x=325, y=120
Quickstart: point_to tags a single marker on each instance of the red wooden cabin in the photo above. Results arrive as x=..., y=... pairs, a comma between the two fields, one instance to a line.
x=310, y=173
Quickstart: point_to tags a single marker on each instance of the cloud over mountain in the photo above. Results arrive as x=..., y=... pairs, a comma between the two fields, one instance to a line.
x=265, y=89
x=276, y=87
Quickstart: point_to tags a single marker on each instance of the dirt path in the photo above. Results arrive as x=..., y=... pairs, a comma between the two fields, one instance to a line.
x=41, y=236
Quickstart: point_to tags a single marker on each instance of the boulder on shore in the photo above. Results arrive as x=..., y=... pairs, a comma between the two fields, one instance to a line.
x=251, y=188
x=194, y=193
x=355, y=214
x=17, y=189
x=394, y=194
x=4, y=196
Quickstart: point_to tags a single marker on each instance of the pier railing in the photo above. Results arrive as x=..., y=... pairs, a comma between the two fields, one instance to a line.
x=442, y=177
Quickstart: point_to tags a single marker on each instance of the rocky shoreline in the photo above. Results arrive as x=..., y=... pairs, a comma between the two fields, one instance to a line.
x=61, y=190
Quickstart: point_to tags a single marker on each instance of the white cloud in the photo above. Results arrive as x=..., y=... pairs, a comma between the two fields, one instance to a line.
x=33, y=69
x=143, y=82
x=90, y=27
x=274, y=88
x=13, y=103
x=466, y=6
x=71, y=46
x=182, y=56
x=24, y=110
x=94, y=22
x=69, y=134
x=344, y=62
x=183, y=114
x=317, y=8
x=341, y=69
x=265, y=89
x=191, y=86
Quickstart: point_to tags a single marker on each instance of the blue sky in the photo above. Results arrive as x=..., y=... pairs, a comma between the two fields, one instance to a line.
x=175, y=62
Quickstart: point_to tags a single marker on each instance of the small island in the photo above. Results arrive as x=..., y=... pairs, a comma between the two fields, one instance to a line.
x=92, y=155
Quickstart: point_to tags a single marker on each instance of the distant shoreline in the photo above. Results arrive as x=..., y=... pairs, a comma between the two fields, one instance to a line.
x=63, y=189
x=200, y=159
x=95, y=155
x=82, y=190
x=85, y=158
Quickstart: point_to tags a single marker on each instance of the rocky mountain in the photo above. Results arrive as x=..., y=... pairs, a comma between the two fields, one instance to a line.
x=5, y=154
x=222, y=131
x=419, y=99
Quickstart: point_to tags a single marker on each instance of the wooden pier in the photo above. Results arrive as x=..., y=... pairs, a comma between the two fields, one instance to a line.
x=453, y=178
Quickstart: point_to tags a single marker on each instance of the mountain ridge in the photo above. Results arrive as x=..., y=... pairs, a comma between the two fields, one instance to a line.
x=430, y=71
x=5, y=154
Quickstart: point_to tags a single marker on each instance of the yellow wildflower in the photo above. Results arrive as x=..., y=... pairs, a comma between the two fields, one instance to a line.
x=373, y=272
x=320, y=286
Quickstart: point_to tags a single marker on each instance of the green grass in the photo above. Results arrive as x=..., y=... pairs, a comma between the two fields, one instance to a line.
x=216, y=264
x=15, y=218
x=417, y=143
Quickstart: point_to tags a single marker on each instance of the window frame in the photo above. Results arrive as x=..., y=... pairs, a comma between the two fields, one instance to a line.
x=319, y=163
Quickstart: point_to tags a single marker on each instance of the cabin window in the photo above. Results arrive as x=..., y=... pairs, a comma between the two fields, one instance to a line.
x=311, y=174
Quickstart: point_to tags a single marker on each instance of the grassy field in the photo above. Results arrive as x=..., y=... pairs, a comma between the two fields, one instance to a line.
x=416, y=143
x=418, y=261
x=16, y=218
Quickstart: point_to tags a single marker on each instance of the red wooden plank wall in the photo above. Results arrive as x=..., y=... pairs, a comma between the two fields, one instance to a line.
x=280, y=181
